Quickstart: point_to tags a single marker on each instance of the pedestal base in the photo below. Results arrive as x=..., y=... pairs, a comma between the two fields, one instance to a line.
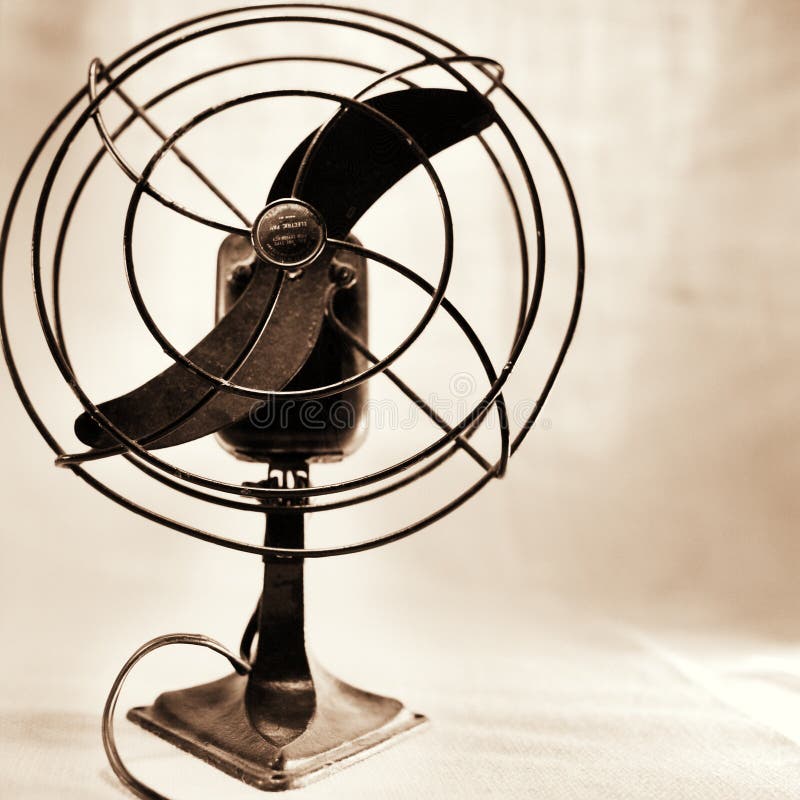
x=211, y=723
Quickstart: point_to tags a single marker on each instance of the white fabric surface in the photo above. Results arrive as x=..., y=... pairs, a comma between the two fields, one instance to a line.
x=585, y=713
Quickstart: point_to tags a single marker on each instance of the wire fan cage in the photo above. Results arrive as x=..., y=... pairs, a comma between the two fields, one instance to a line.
x=425, y=50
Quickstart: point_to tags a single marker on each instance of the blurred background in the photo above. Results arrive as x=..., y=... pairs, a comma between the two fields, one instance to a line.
x=619, y=616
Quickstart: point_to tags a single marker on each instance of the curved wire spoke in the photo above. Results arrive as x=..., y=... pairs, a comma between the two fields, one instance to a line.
x=359, y=345
x=95, y=68
x=494, y=395
x=181, y=156
x=428, y=62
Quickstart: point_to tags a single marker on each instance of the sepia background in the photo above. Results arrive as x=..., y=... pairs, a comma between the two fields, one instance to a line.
x=618, y=617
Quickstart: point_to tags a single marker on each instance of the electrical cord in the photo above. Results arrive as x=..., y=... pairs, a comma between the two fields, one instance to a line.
x=114, y=759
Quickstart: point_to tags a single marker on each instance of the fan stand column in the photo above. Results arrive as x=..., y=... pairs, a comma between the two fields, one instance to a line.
x=280, y=697
x=289, y=721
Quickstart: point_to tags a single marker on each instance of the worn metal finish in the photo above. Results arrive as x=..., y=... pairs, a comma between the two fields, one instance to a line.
x=210, y=723
x=281, y=428
x=288, y=721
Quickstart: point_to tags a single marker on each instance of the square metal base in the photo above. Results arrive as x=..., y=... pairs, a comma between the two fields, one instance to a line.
x=211, y=723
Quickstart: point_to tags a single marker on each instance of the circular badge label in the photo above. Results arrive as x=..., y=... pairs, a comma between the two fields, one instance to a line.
x=289, y=234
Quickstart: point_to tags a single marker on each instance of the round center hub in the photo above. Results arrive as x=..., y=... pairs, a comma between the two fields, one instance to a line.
x=289, y=234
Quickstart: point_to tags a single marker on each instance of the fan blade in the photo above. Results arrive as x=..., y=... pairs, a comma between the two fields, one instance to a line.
x=281, y=351
x=360, y=157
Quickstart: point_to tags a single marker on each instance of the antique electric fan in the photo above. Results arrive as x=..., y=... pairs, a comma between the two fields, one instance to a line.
x=291, y=329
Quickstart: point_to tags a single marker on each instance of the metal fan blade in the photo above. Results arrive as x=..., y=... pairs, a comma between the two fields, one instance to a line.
x=359, y=157
x=357, y=160
x=281, y=351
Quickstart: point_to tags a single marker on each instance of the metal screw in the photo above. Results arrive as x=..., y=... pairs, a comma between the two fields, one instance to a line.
x=343, y=275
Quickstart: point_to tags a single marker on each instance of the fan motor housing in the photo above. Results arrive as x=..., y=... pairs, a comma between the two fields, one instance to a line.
x=326, y=429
